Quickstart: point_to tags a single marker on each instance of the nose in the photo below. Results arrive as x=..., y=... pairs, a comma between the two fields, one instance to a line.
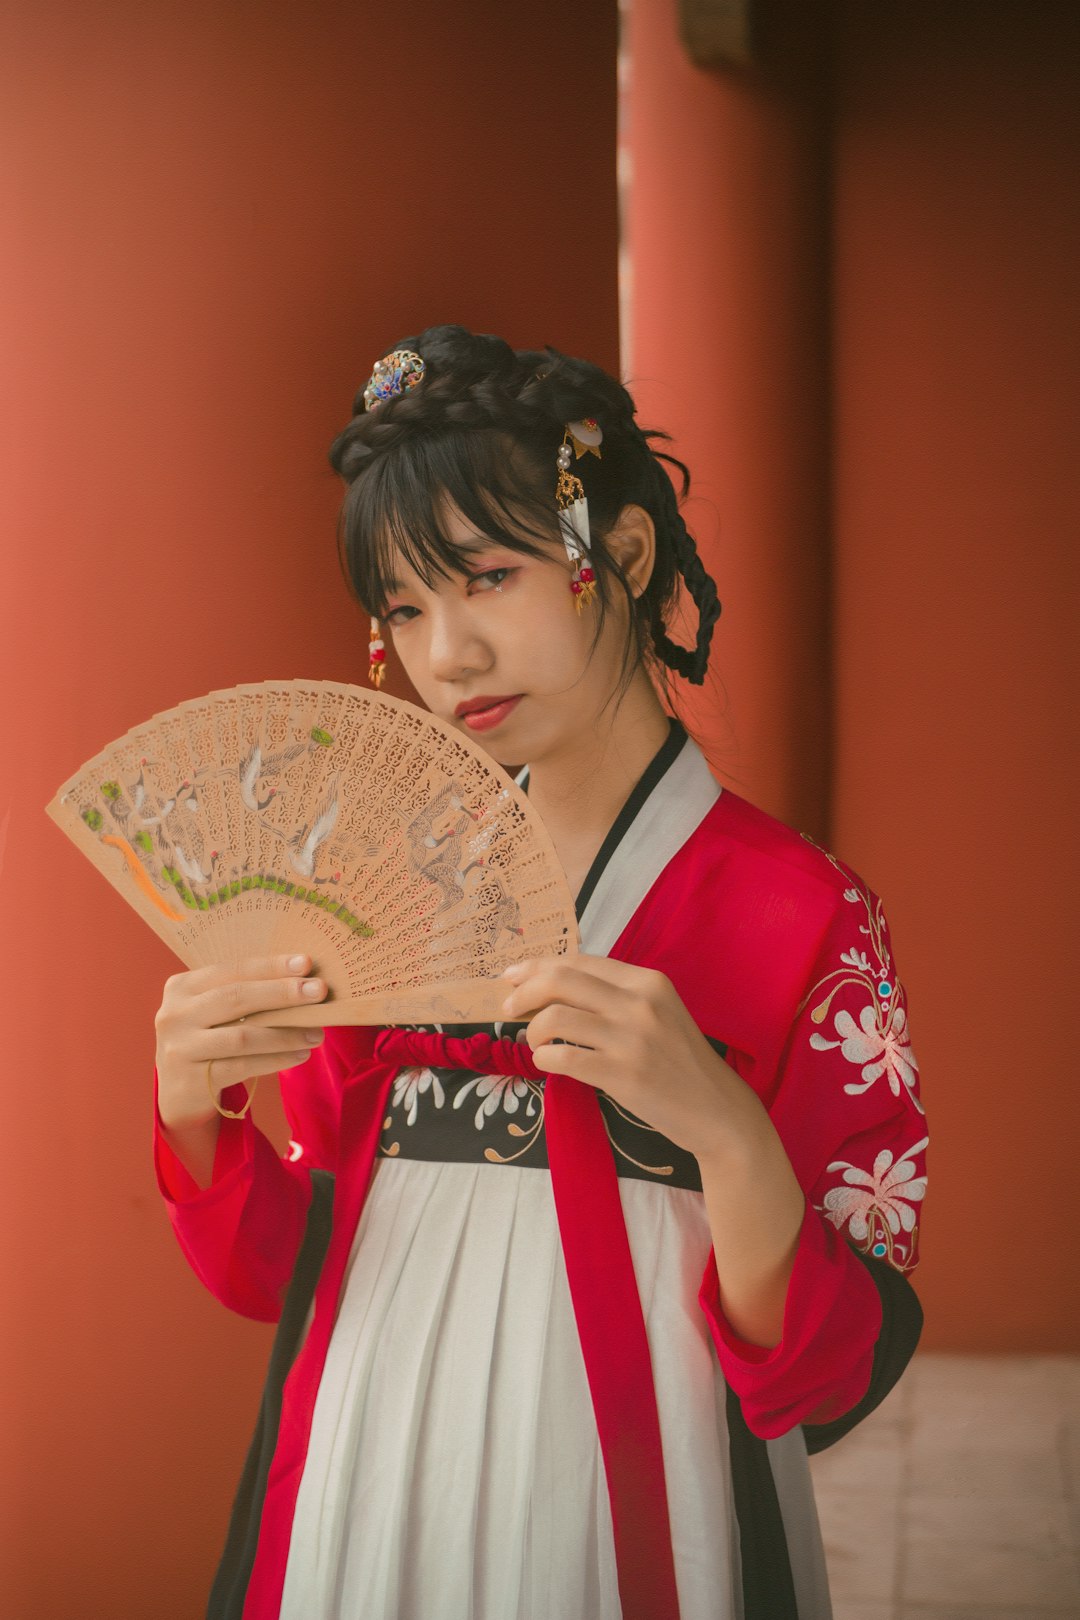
x=455, y=648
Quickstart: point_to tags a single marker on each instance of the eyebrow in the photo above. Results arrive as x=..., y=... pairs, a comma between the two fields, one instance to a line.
x=477, y=549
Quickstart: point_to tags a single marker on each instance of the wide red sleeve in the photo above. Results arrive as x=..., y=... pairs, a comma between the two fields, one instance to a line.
x=846, y=1106
x=241, y=1235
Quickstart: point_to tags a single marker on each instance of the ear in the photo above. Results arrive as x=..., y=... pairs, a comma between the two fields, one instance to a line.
x=632, y=542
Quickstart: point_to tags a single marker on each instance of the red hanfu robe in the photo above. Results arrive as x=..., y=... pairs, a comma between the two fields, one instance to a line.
x=783, y=957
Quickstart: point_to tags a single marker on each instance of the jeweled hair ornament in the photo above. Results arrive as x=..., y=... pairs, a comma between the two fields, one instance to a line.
x=394, y=374
x=579, y=438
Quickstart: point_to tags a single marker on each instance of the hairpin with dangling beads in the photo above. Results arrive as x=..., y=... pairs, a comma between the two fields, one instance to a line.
x=578, y=438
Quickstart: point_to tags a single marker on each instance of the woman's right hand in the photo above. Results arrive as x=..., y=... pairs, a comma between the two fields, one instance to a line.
x=200, y=1019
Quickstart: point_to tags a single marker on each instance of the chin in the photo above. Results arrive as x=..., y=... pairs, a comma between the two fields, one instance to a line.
x=498, y=752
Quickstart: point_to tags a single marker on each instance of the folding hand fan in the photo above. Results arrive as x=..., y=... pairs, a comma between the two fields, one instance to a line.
x=311, y=816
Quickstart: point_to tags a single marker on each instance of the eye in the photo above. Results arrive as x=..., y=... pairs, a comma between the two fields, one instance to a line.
x=491, y=572
x=497, y=574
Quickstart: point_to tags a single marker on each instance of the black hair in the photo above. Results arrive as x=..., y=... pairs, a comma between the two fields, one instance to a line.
x=482, y=430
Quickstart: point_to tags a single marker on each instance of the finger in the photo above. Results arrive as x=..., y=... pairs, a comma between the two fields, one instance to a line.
x=261, y=1043
x=567, y=1024
x=236, y=998
x=199, y=980
x=530, y=964
x=584, y=987
x=599, y=969
x=227, y=1071
x=576, y=1061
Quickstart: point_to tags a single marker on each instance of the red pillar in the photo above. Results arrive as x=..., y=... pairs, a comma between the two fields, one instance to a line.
x=727, y=238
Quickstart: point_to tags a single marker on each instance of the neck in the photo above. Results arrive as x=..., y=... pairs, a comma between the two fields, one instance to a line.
x=580, y=785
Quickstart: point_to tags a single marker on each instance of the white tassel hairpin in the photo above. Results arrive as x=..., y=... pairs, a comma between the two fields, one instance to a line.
x=578, y=438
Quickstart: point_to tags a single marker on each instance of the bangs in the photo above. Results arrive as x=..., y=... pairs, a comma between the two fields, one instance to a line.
x=401, y=509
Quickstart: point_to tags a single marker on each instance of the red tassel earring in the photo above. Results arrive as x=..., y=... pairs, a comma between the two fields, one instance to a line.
x=376, y=655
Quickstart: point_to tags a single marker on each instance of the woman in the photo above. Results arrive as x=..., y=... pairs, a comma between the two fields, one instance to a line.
x=566, y=1300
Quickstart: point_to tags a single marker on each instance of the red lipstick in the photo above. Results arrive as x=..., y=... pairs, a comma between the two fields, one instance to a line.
x=484, y=712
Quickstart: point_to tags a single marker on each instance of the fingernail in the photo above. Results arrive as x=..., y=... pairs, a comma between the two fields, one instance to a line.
x=313, y=1036
x=297, y=964
x=312, y=987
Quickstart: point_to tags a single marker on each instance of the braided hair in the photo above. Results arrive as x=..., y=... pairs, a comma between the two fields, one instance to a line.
x=482, y=431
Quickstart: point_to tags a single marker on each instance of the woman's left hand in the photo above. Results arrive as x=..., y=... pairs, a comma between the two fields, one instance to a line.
x=633, y=1038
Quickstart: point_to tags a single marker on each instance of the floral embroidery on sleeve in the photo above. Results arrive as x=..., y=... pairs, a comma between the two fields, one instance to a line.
x=875, y=1204
x=880, y=1204
x=878, y=1043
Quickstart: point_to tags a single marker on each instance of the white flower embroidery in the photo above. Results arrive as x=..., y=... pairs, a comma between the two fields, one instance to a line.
x=496, y=1090
x=878, y=1049
x=520, y=1036
x=889, y=1191
x=409, y=1087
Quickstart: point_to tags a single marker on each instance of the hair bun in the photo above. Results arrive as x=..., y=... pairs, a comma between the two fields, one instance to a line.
x=451, y=351
x=568, y=389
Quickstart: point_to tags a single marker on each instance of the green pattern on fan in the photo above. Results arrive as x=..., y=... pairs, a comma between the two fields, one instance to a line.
x=334, y=820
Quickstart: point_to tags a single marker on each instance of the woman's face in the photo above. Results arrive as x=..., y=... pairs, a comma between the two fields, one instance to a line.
x=507, y=629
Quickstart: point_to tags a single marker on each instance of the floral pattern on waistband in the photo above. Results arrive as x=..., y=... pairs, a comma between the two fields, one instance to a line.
x=464, y=1116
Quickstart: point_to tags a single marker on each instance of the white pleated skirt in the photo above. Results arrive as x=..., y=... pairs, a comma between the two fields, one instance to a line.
x=454, y=1470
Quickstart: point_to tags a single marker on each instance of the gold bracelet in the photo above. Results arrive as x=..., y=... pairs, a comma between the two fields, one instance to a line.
x=228, y=1113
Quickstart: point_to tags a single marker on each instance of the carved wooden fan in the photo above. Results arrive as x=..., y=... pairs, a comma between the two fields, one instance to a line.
x=312, y=816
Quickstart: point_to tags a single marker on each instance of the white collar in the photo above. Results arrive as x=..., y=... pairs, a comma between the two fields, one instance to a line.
x=672, y=810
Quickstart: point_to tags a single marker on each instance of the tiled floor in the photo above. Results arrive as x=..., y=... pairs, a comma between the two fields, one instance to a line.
x=959, y=1498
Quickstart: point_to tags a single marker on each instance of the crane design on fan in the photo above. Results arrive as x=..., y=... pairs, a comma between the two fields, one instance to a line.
x=330, y=819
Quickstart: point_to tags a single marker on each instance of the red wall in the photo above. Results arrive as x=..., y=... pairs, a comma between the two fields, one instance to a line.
x=863, y=327
x=957, y=512
x=223, y=215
